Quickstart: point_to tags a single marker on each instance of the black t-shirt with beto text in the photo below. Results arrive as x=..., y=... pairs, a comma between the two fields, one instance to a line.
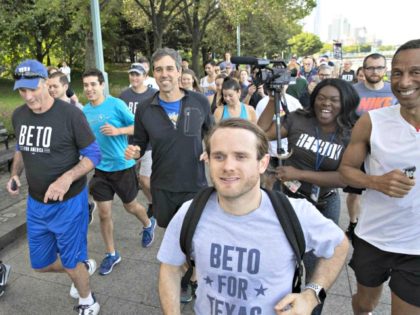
x=50, y=144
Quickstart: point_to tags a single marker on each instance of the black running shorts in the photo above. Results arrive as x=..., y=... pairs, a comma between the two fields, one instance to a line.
x=104, y=185
x=373, y=267
x=166, y=204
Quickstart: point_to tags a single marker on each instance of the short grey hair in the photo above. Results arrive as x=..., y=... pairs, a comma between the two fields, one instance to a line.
x=162, y=52
x=325, y=67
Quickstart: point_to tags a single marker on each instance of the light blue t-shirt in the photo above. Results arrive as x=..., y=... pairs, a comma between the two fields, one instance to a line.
x=172, y=109
x=114, y=112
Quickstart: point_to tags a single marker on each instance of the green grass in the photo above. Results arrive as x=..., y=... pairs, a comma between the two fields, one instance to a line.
x=9, y=99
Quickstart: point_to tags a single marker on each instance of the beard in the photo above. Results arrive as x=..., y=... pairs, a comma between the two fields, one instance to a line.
x=374, y=80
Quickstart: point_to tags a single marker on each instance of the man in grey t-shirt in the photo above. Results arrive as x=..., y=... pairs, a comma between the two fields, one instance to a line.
x=235, y=270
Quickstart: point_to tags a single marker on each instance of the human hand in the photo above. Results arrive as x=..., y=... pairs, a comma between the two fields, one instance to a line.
x=251, y=89
x=286, y=173
x=109, y=130
x=394, y=184
x=261, y=90
x=297, y=304
x=59, y=188
x=132, y=152
x=204, y=157
x=13, y=185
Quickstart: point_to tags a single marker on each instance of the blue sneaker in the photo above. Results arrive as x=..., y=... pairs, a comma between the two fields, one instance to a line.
x=149, y=233
x=108, y=263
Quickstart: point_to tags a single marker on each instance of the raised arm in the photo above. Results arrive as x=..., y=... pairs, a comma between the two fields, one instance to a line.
x=266, y=122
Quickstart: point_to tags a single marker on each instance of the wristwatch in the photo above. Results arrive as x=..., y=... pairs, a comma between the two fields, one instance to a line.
x=319, y=291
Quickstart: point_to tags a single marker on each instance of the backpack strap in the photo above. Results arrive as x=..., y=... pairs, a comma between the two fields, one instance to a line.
x=191, y=221
x=293, y=230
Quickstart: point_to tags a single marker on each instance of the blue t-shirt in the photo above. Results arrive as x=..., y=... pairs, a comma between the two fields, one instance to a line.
x=116, y=113
x=172, y=109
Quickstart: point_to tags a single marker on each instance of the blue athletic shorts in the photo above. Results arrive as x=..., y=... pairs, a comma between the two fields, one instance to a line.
x=58, y=228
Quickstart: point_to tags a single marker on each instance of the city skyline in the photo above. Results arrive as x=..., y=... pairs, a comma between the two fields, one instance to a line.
x=383, y=20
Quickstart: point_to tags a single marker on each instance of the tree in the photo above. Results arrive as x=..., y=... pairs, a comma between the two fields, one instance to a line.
x=197, y=17
x=305, y=44
x=161, y=13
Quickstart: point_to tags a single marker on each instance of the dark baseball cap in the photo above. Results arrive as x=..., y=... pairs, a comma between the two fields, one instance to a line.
x=137, y=67
x=28, y=73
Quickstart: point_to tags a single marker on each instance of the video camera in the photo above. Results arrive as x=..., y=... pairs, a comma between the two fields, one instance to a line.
x=272, y=77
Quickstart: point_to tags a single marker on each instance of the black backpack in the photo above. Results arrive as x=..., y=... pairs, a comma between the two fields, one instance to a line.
x=285, y=213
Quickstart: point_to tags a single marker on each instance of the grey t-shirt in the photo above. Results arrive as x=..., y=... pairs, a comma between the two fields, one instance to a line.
x=373, y=99
x=239, y=269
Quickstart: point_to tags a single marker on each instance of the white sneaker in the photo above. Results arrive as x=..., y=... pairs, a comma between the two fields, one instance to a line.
x=91, y=267
x=88, y=309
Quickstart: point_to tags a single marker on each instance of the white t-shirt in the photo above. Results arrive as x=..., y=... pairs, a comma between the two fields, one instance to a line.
x=244, y=263
x=66, y=70
x=292, y=104
x=151, y=82
x=391, y=224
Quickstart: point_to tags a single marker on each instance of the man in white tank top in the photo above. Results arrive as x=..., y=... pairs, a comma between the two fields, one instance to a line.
x=387, y=241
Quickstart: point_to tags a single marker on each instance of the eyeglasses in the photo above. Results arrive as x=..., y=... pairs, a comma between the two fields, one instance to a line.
x=28, y=75
x=325, y=75
x=377, y=69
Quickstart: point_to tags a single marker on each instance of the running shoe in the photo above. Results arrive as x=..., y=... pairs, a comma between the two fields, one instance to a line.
x=4, y=276
x=108, y=263
x=91, y=268
x=186, y=294
x=88, y=309
x=350, y=230
x=92, y=208
x=149, y=233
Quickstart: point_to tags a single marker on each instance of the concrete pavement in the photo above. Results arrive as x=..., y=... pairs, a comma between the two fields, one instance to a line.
x=132, y=286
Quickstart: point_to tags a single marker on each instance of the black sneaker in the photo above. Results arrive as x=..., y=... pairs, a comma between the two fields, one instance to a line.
x=92, y=208
x=350, y=230
x=4, y=276
x=186, y=294
x=194, y=287
x=150, y=210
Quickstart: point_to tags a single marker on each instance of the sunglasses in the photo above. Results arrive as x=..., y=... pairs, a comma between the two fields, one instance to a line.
x=27, y=75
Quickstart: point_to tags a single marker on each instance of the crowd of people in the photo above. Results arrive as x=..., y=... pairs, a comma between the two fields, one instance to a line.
x=347, y=129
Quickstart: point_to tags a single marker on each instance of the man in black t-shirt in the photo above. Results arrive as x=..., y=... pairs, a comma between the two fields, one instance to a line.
x=51, y=136
x=134, y=96
x=348, y=74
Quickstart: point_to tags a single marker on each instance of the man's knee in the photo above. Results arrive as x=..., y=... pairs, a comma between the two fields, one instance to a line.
x=133, y=206
x=366, y=299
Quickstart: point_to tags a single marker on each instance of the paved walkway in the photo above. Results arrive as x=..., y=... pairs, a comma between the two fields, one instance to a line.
x=130, y=289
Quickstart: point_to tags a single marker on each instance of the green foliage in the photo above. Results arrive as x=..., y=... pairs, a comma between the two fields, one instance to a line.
x=305, y=44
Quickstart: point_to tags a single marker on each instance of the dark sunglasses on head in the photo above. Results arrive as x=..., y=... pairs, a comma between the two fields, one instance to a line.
x=27, y=75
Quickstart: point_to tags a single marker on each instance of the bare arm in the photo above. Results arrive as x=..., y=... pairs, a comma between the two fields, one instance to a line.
x=110, y=130
x=267, y=123
x=61, y=185
x=326, y=272
x=218, y=114
x=252, y=114
x=393, y=184
x=17, y=169
x=169, y=288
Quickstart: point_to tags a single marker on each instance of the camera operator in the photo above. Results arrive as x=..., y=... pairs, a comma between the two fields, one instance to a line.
x=317, y=137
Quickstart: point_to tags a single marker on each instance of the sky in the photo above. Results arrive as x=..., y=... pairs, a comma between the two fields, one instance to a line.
x=393, y=21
